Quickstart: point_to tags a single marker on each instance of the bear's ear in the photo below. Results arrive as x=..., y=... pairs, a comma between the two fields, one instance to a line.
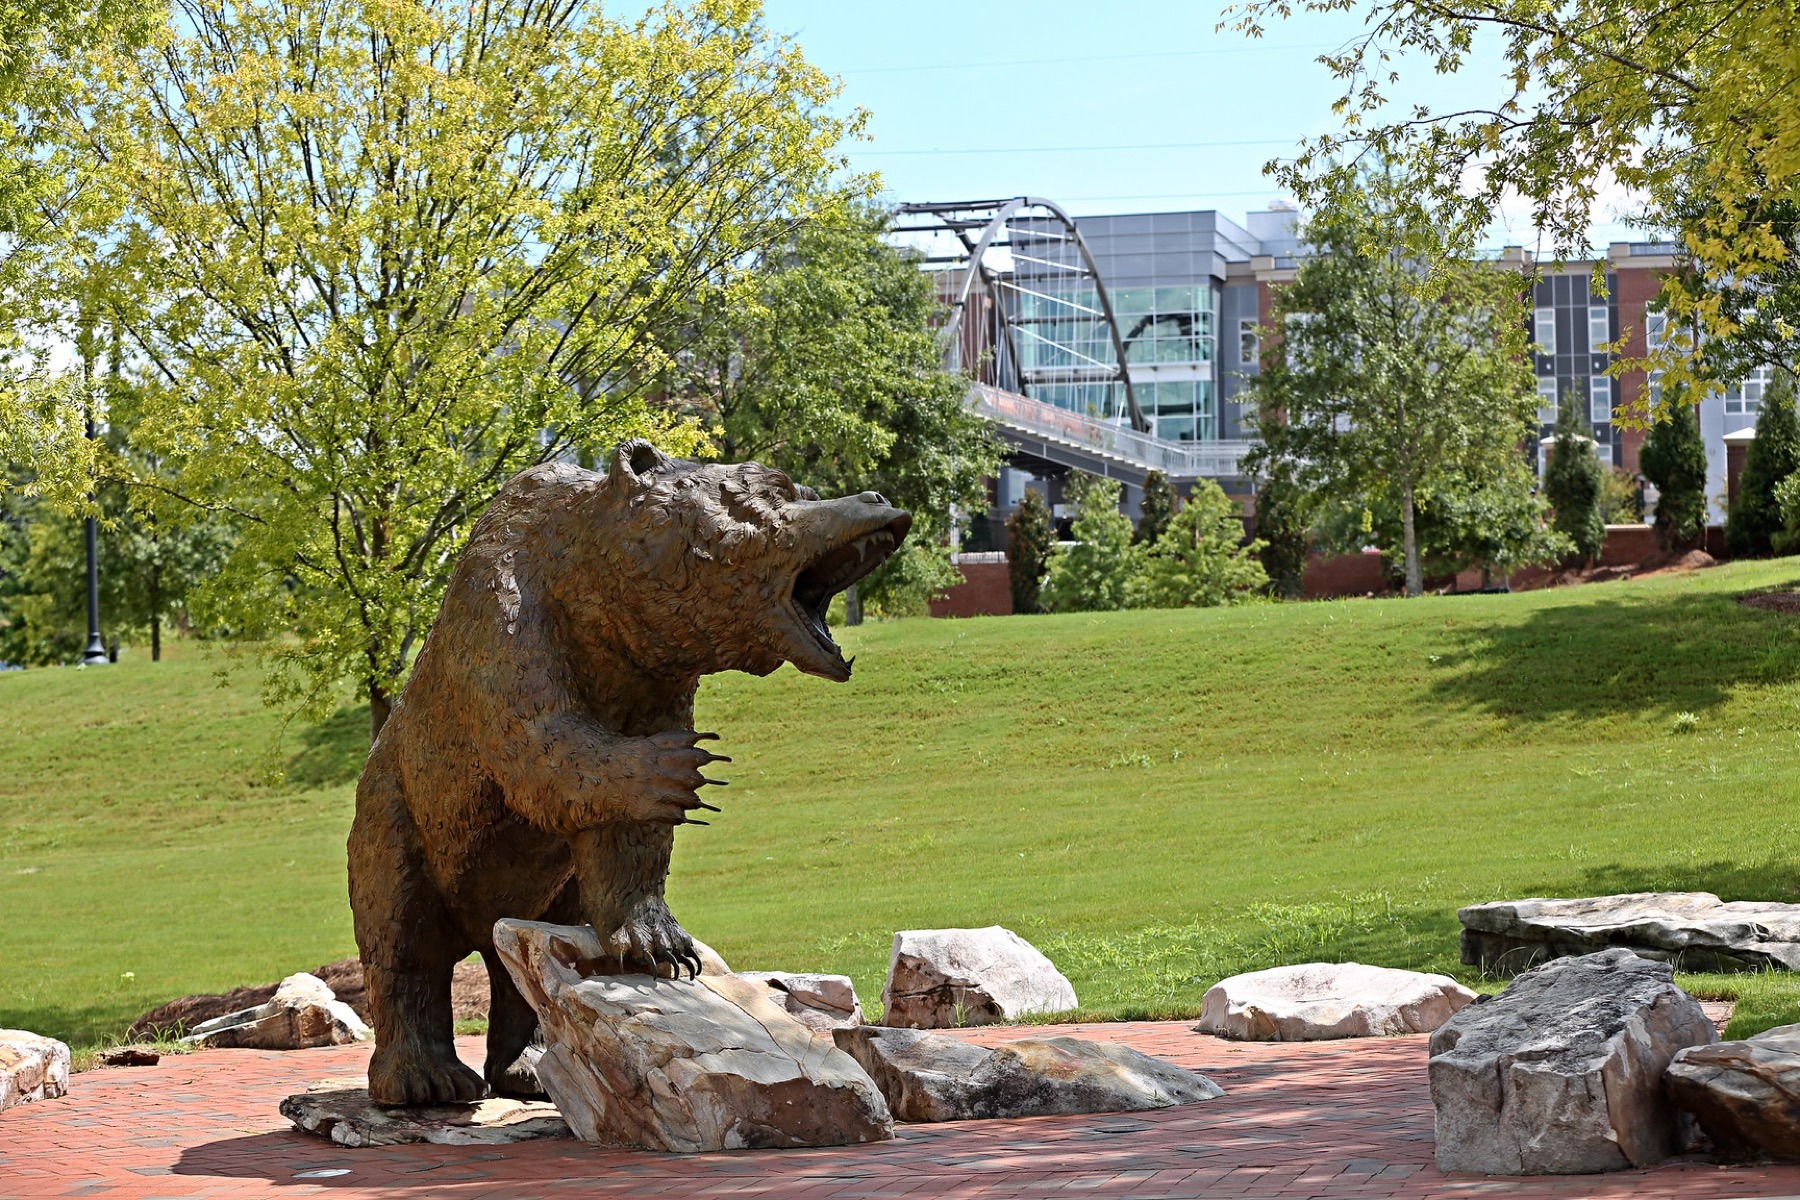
x=637, y=458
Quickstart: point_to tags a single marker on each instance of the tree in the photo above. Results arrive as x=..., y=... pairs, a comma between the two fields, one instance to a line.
x=1283, y=531
x=1572, y=483
x=1401, y=369
x=373, y=258
x=824, y=361
x=1201, y=559
x=1673, y=459
x=1029, y=539
x=1496, y=523
x=1154, y=514
x=1755, y=516
x=1094, y=574
x=1665, y=99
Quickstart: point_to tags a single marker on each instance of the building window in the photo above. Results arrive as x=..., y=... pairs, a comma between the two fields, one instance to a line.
x=1599, y=328
x=1600, y=402
x=1546, y=401
x=1545, y=330
x=1746, y=397
x=1656, y=329
x=1247, y=347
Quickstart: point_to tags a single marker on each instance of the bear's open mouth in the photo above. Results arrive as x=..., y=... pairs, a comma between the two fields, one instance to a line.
x=835, y=570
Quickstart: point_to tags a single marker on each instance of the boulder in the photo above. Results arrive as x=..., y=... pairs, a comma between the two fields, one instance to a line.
x=32, y=1067
x=935, y=1077
x=681, y=1065
x=946, y=978
x=1562, y=1072
x=1315, y=1001
x=822, y=1002
x=1745, y=1095
x=1694, y=930
x=302, y=1013
x=129, y=1056
x=340, y=1111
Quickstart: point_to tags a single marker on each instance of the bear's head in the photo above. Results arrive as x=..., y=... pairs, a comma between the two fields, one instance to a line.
x=698, y=567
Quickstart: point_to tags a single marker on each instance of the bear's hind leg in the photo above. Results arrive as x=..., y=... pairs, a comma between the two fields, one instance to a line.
x=408, y=946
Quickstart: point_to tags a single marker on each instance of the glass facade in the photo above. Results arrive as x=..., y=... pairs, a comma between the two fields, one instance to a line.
x=1066, y=352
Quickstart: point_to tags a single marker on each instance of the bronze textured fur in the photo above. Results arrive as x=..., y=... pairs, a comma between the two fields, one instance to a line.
x=543, y=751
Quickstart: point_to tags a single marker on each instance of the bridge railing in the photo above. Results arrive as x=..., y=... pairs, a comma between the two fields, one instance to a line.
x=1186, y=460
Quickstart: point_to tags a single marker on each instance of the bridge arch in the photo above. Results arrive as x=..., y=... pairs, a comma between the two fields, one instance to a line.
x=1023, y=285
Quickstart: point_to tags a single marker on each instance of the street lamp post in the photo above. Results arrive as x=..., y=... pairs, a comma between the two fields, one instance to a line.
x=95, y=654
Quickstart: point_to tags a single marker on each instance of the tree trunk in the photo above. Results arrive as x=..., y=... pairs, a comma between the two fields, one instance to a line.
x=155, y=637
x=379, y=707
x=852, y=606
x=1415, y=578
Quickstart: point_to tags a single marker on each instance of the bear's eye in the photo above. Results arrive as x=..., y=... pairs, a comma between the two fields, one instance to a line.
x=743, y=508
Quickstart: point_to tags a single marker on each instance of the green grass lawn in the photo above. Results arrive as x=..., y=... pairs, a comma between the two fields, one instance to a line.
x=1156, y=799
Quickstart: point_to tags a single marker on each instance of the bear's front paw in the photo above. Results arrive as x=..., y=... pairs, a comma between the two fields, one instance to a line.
x=668, y=779
x=651, y=938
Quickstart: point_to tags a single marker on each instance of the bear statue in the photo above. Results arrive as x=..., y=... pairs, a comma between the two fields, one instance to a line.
x=543, y=750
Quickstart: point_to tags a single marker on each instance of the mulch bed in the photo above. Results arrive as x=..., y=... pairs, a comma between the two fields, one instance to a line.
x=468, y=997
x=1785, y=602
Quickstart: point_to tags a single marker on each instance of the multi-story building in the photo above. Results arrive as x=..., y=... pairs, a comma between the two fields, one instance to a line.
x=1189, y=291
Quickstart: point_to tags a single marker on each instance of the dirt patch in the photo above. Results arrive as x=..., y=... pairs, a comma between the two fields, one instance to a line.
x=1786, y=602
x=468, y=997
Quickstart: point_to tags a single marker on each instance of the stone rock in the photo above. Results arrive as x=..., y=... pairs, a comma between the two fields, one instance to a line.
x=32, y=1067
x=681, y=1065
x=1745, y=1095
x=301, y=1014
x=1314, y=1001
x=934, y=1077
x=341, y=1111
x=1562, y=1072
x=945, y=978
x=129, y=1056
x=822, y=1002
x=1694, y=930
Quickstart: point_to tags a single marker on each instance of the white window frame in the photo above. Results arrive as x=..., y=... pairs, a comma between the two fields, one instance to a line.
x=1249, y=344
x=1546, y=389
x=1544, y=330
x=1599, y=315
x=1656, y=331
x=1745, y=397
x=1600, y=399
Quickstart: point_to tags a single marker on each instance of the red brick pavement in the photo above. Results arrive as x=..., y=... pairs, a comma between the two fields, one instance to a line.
x=1326, y=1119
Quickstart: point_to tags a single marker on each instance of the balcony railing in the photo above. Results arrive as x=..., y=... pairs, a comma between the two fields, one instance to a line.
x=1184, y=460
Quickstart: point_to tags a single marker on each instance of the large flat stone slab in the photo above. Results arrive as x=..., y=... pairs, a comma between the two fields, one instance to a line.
x=1745, y=1094
x=1696, y=931
x=1318, y=1001
x=679, y=1065
x=947, y=978
x=32, y=1067
x=1562, y=1073
x=932, y=1077
x=340, y=1111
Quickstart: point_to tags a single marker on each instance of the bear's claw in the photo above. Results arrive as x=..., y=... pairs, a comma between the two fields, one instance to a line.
x=652, y=938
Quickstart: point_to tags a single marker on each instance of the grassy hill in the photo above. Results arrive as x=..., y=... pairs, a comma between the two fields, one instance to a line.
x=1156, y=799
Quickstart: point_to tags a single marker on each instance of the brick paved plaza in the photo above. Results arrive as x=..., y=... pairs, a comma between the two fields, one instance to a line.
x=1324, y=1119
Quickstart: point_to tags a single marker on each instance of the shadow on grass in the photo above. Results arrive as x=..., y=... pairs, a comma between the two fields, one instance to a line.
x=1658, y=652
x=332, y=751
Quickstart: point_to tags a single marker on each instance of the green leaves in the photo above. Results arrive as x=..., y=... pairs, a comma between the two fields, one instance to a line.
x=371, y=259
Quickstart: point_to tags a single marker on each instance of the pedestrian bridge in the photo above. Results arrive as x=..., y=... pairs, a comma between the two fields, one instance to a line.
x=1044, y=436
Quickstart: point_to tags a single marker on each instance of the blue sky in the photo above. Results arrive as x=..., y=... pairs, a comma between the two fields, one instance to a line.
x=1129, y=106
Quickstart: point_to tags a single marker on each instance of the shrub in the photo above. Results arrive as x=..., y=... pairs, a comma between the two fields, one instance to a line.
x=1201, y=559
x=1755, y=516
x=1283, y=531
x=1028, y=541
x=1094, y=573
x=1621, y=501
